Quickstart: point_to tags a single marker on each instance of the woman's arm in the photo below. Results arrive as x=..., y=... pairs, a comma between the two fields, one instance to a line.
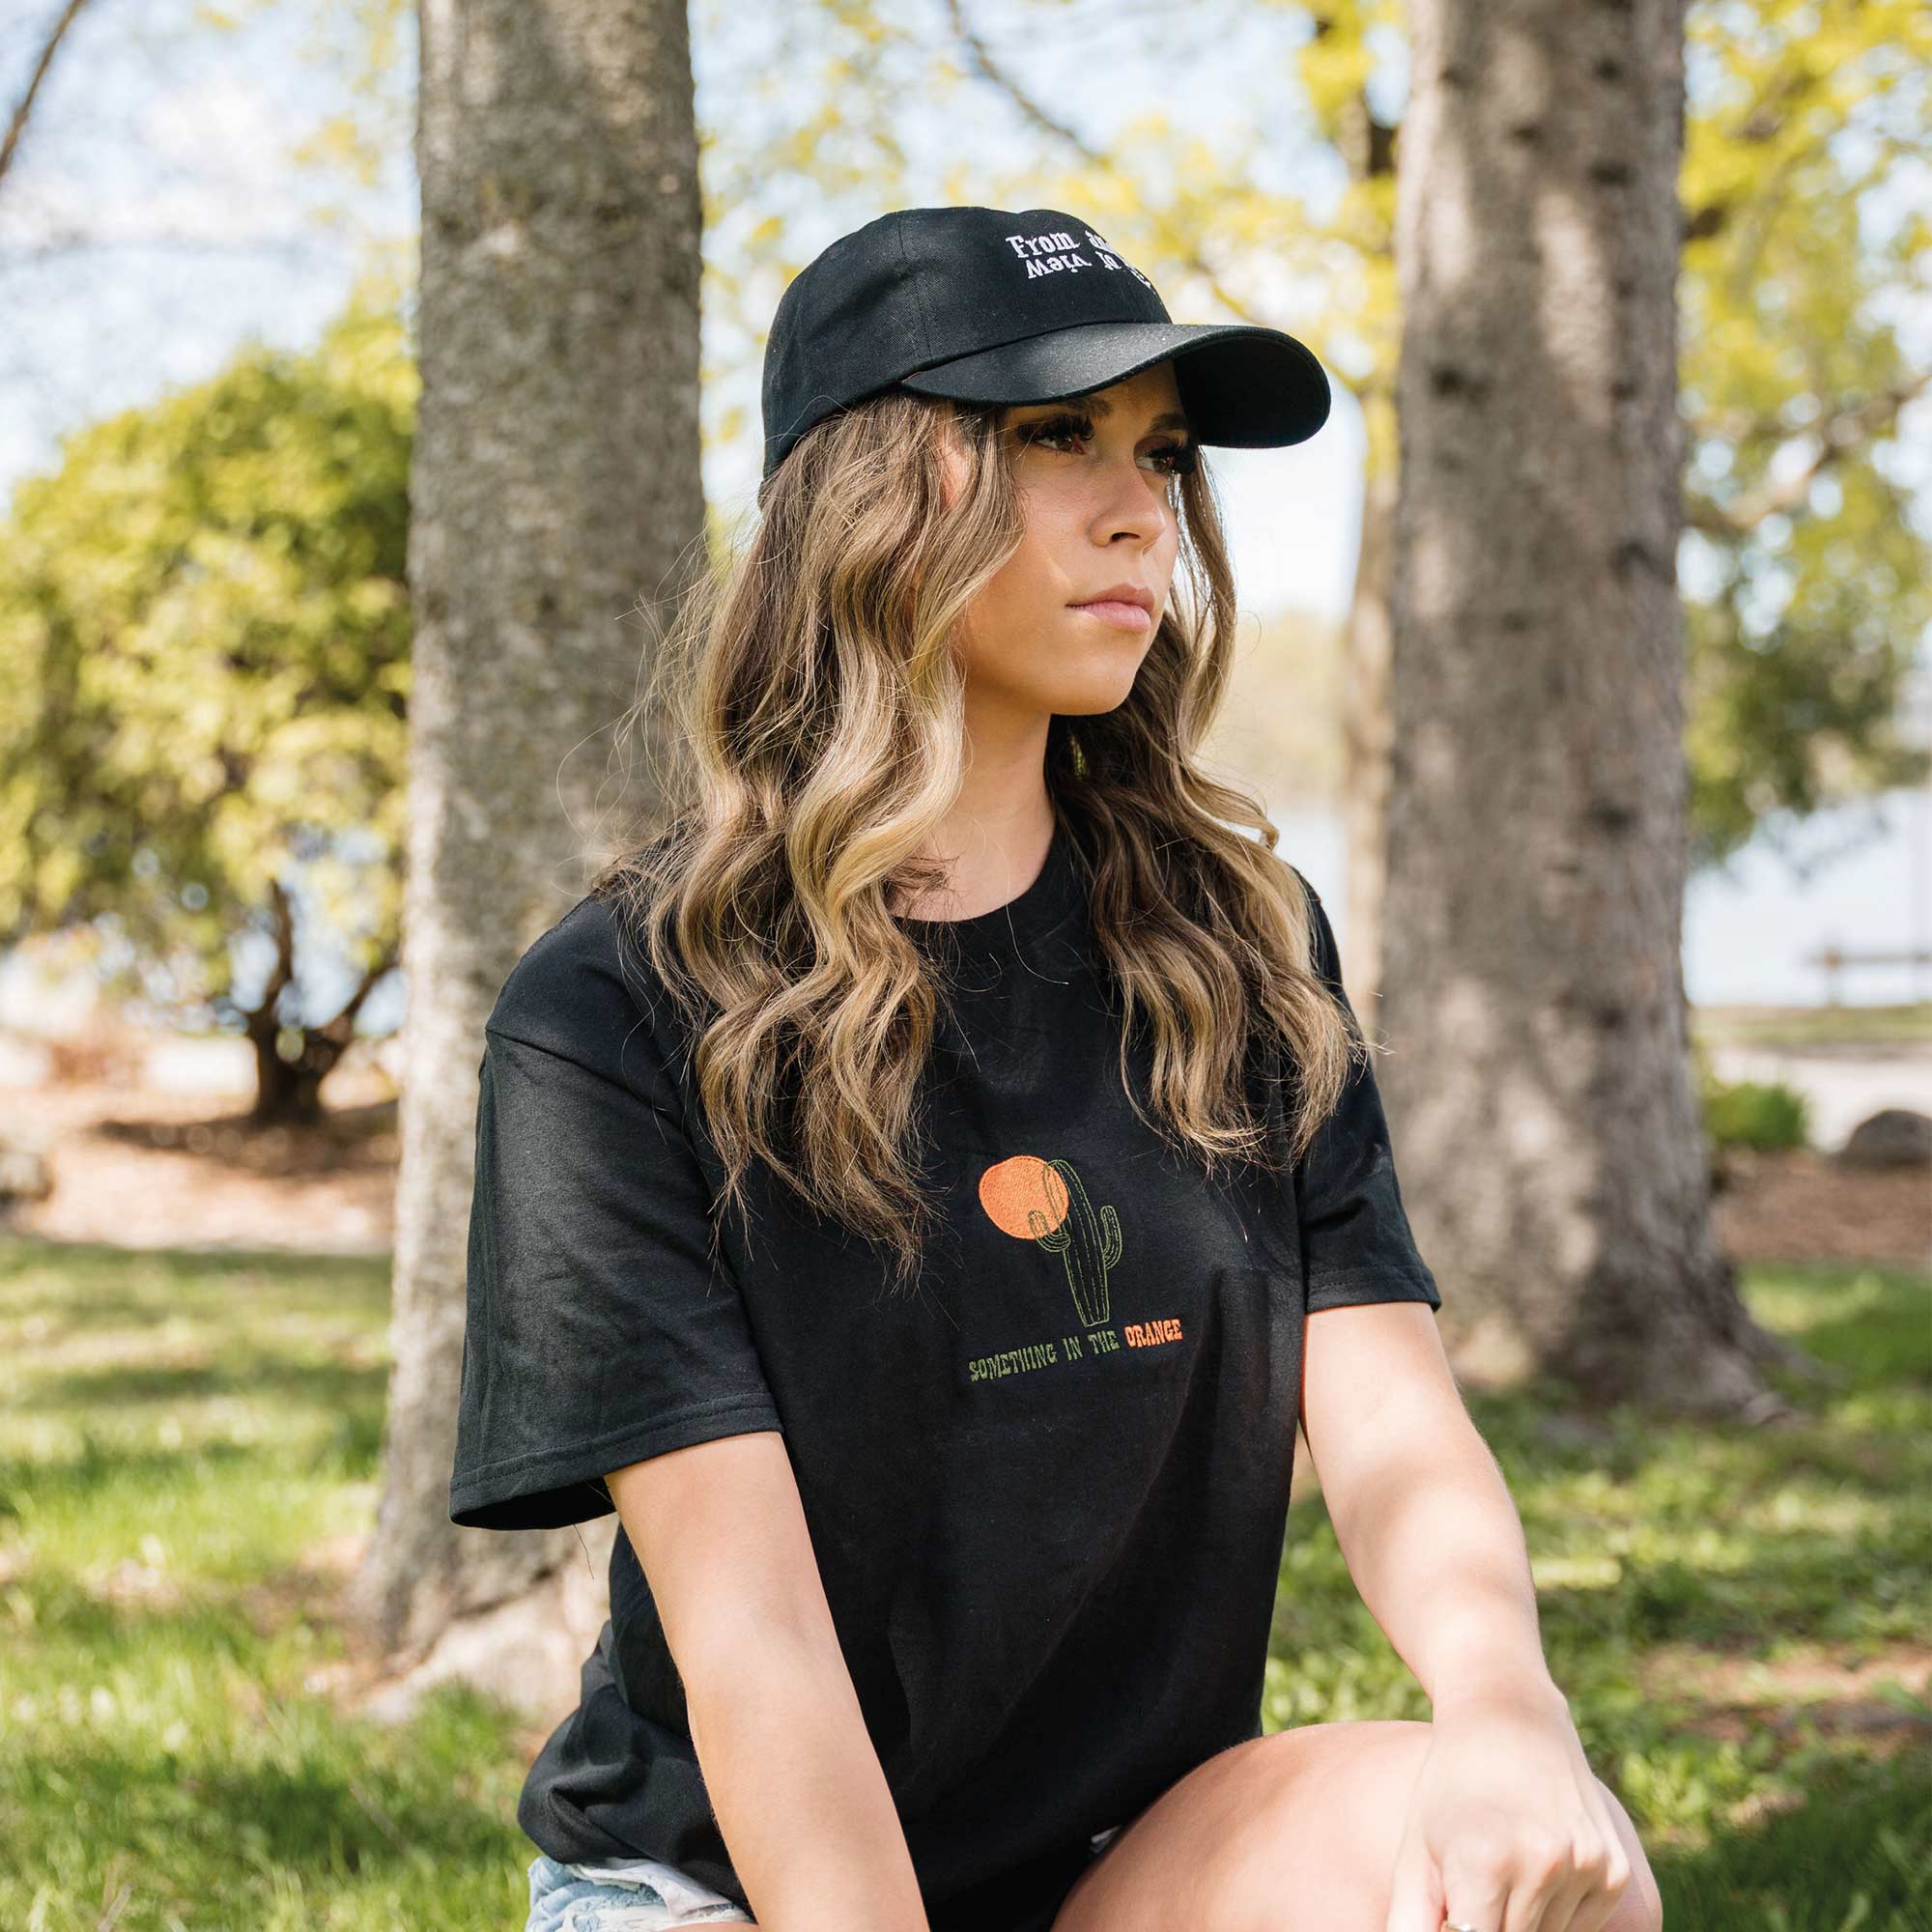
x=794, y=1780
x=1505, y=1809
x=806, y=1811
x=1426, y=1522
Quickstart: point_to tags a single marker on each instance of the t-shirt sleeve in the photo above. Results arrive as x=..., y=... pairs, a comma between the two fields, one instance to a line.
x=597, y=1331
x=1356, y=1244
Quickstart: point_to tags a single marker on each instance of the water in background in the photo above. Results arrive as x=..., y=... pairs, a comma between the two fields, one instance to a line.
x=1866, y=884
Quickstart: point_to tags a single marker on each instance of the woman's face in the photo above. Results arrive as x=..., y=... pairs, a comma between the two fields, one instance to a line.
x=1096, y=478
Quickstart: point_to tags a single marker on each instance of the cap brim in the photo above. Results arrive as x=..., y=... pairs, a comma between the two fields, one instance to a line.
x=1243, y=386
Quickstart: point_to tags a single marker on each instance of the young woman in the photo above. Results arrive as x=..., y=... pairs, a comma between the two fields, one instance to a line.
x=923, y=1187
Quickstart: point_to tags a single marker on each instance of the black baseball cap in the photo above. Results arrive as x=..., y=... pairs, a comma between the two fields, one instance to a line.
x=998, y=306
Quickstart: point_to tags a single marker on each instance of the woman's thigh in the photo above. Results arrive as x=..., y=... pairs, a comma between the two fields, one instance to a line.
x=1295, y=1829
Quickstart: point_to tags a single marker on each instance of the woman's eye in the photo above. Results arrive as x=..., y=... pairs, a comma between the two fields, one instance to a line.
x=1179, y=458
x=1055, y=429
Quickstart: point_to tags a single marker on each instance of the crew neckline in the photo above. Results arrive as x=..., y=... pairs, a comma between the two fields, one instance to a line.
x=1032, y=911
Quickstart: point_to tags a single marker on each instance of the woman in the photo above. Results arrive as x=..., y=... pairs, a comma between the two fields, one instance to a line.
x=907, y=1187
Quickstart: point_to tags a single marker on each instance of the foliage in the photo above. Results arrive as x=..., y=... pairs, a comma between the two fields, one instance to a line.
x=1757, y=1114
x=1747, y=1113
x=184, y=1439
x=1811, y=586
x=203, y=610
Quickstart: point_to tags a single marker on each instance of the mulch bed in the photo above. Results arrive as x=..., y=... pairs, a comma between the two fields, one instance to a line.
x=143, y=1169
x=1797, y=1205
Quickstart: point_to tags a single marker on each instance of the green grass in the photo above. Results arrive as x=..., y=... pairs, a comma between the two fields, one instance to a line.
x=176, y=1433
x=1872, y=1028
x=205, y=1421
x=1681, y=1570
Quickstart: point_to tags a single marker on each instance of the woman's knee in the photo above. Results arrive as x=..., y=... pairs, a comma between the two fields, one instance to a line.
x=1242, y=1836
x=1640, y=1909
x=1329, y=1822
x=1327, y=1819
x=1308, y=1818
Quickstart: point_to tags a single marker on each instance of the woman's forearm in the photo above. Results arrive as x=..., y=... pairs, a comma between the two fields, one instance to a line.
x=798, y=1792
x=1435, y=1546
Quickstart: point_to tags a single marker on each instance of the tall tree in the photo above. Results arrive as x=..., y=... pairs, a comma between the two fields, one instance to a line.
x=1810, y=588
x=203, y=614
x=554, y=478
x=1538, y=828
x=1808, y=583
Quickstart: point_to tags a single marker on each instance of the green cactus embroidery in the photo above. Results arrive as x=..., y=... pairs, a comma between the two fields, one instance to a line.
x=1089, y=1244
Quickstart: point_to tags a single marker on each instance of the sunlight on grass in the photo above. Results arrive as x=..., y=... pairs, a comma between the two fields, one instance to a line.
x=1688, y=1580
x=176, y=1435
x=179, y=1435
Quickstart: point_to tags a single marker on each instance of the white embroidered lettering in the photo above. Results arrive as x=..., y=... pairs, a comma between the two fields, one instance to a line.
x=1053, y=264
x=1056, y=253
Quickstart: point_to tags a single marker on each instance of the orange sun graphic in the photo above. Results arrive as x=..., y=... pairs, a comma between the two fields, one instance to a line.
x=1010, y=1188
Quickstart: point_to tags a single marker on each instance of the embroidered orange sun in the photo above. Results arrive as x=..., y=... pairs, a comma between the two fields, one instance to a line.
x=1011, y=1188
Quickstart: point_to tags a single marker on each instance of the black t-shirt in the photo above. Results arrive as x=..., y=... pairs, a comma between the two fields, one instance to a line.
x=1047, y=1495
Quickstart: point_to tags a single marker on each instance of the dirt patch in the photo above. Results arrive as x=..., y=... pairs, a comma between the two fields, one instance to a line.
x=1882, y=1697
x=1798, y=1205
x=1810, y=1670
x=140, y=1169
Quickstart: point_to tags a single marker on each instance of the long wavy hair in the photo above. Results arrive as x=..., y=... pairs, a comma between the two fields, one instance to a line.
x=809, y=702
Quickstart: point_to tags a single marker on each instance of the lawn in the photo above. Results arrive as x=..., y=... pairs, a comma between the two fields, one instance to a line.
x=1738, y=1617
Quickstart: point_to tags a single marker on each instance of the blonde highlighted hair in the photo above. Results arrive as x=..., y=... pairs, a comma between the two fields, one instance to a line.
x=810, y=699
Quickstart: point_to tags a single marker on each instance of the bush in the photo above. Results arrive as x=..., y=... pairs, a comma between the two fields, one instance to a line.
x=1755, y=1114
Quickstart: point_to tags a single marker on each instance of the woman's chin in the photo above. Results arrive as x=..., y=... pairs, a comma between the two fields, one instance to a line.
x=1091, y=697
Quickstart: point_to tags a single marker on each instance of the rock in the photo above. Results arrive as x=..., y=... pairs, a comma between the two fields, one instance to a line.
x=25, y=1173
x=1892, y=1136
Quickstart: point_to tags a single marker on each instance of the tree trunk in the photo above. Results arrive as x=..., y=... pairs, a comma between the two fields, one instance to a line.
x=1365, y=740
x=554, y=478
x=287, y=1092
x=1550, y=1144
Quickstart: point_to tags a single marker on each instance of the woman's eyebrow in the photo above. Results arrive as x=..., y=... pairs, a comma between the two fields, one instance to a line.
x=1098, y=405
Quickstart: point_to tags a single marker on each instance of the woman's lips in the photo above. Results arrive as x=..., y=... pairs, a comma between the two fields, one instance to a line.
x=1124, y=616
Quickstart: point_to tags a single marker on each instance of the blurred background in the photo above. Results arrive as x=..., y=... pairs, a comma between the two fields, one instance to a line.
x=209, y=224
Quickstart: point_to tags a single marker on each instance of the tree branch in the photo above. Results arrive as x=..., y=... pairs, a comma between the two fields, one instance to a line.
x=16, y=125
x=1839, y=436
x=982, y=63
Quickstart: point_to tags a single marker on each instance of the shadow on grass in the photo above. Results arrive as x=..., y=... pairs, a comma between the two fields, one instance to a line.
x=1795, y=1584
x=315, y=1816
x=207, y=1617
x=321, y=1807
x=1879, y=1347
x=351, y=1448
x=316, y=1381
x=94, y=1285
x=1854, y=1851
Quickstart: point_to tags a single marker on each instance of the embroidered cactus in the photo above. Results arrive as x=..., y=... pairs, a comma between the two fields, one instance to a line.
x=1089, y=1244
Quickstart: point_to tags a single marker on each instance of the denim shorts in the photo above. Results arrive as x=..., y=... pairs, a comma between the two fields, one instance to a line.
x=641, y=1895
x=622, y=1895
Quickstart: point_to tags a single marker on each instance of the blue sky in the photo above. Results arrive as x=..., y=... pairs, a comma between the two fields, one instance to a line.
x=152, y=224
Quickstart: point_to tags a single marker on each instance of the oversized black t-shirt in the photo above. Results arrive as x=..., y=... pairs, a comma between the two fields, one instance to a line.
x=1047, y=1495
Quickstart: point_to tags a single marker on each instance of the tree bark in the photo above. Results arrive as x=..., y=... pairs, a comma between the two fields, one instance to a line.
x=1550, y=1144
x=554, y=478
x=1365, y=739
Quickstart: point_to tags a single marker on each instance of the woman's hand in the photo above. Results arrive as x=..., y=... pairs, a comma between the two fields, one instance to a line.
x=1507, y=1830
